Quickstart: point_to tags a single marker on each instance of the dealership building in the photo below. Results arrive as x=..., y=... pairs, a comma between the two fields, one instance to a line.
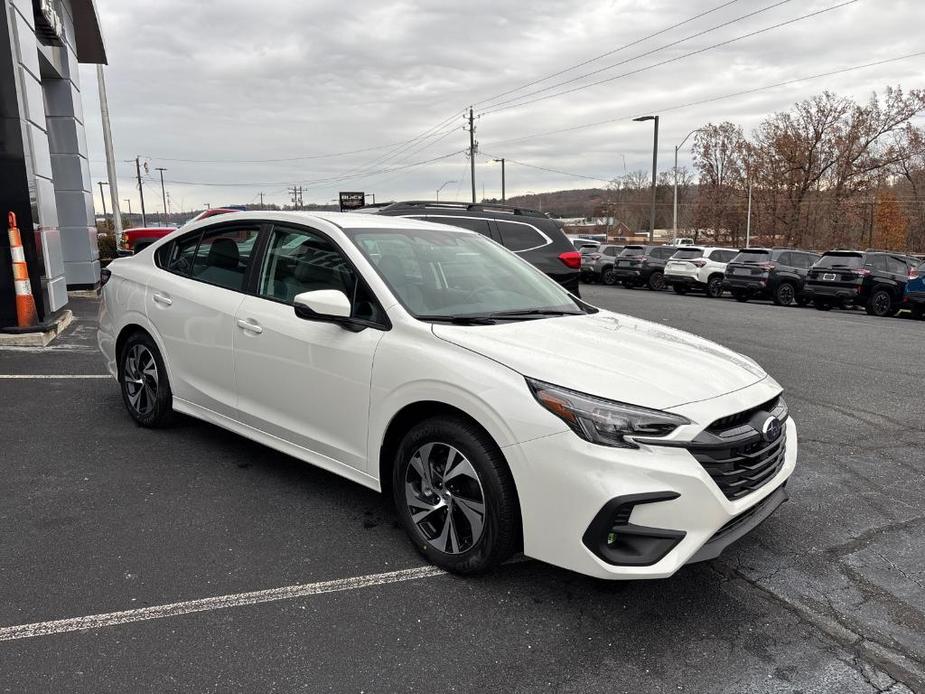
x=44, y=171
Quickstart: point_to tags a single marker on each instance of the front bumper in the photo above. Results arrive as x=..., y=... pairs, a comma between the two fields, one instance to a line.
x=565, y=482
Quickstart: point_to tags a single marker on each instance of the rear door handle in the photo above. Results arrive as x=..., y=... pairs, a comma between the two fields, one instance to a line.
x=250, y=326
x=161, y=299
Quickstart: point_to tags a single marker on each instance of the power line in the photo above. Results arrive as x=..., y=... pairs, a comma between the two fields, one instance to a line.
x=643, y=55
x=608, y=53
x=700, y=102
x=557, y=171
x=675, y=59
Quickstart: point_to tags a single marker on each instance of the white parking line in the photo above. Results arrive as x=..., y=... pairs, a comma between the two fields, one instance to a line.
x=28, y=376
x=98, y=621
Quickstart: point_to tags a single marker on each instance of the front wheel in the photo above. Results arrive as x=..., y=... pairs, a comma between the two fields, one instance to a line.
x=609, y=277
x=715, y=287
x=656, y=281
x=880, y=304
x=455, y=496
x=145, y=386
x=784, y=295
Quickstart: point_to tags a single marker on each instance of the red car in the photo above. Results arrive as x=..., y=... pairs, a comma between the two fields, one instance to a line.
x=135, y=240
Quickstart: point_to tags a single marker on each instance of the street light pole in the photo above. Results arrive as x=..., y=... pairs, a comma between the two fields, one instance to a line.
x=442, y=187
x=127, y=200
x=103, y=198
x=503, y=196
x=654, y=173
x=674, y=223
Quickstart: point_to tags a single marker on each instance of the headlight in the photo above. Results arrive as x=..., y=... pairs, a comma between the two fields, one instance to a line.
x=600, y=421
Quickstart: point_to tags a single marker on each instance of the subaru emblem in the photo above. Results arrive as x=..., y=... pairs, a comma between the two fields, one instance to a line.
x=771, y=429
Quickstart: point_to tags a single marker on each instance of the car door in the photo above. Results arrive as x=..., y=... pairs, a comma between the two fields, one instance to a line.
x=306, y=382
x=192, y=302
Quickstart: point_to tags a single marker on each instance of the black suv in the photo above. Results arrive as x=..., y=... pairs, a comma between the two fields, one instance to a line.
x=643, y=265
x=778, y=274
x=875, y=280
x=532, y=235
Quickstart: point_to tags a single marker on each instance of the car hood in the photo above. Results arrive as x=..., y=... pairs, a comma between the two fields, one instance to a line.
x=612, y=356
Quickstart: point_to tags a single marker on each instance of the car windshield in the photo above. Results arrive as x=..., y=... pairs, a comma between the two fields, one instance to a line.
x=445, y=275
x=752, y=257
x=850, y=261
x=688, y=253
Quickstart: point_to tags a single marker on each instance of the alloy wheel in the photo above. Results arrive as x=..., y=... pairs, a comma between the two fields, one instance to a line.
x=881, y=303
x=139, y=372
x=785, y=294
x=445, y=498
x=715, y=287
x=657, y=281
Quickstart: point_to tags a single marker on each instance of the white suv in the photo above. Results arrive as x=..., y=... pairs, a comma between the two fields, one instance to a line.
x=698, y=267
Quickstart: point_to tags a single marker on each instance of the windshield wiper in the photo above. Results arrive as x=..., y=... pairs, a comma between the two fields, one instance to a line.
x=460, y=320
x=532, y=312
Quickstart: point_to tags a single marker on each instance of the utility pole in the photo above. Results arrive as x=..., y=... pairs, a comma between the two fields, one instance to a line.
x=103, y=199
x=141, y=193
x=473, y=148
x=296, y=194
x=654, y=174
x=129, y=205
x=163, y=190
x=261, y=201
x=748, y=219
x=503, y=196
x=110, y=158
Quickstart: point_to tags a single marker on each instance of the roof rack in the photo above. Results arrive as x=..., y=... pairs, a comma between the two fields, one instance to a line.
x=472, y=207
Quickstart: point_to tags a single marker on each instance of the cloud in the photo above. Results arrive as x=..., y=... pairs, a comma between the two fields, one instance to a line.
x=236, y=80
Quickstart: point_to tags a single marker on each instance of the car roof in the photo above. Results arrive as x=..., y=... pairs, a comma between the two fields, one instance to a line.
x=344, y=220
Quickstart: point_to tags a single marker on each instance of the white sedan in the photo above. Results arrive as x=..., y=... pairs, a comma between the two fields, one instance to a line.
x=500, y=412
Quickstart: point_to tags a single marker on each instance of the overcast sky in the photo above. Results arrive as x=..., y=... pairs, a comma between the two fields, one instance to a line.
x=234, y=80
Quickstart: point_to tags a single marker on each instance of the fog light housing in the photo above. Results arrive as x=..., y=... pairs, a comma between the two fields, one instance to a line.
x=613, y=539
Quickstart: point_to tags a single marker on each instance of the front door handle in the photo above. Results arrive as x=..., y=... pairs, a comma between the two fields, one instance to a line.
x=161, y=299
x=250, y=326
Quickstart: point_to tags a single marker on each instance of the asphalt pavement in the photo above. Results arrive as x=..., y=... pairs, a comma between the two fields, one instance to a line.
x=186, y=534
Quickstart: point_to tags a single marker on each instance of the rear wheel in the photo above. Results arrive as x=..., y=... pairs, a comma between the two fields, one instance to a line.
x=785, y=294
x=880, y=304
x=455, y=496
x=740, y=295
x=145, y=386
x=656, y=281
x=715, y=286
x=679, y=289
x=609, y=277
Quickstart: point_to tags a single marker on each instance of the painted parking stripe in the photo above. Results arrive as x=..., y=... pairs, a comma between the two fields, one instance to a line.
x=51, y=376
x=98, y=621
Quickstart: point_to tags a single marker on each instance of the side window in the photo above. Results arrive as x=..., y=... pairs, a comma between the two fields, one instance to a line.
x=162, y=257
x=877, y=262
x=808, y=260
x=787, y=259
x=518, y=236
x=612, y=251
x=482, y=226
x=179, y=259
x=664, y=253
x=223, y=256
x=729, y=255
x=298, y=260
x=897, y=266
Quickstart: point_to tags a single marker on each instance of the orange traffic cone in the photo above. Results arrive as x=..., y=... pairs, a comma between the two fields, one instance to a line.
x=25, y=304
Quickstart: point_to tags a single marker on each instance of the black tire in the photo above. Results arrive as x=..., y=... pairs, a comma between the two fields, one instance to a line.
x=144, y=382
x=679, y=289
x=785, y=294
x=499, y=534
x=656, y=281
x=609, y=277
x=880, y=304
x=714, y=287
x=627, y=284
x=822, y=305
x=740, y=295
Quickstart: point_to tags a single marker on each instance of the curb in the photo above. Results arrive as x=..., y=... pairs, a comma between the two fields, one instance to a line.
x=38, y=339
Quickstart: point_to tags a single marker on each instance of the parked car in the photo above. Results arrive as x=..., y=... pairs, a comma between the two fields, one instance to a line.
x=429, y=363
x=639, y=266
x=698, y=268
x=139, y=238
x=778, y=274
x=914, y=298
x=597, y=266
x=532, y=235
x=581, y=245
x=875, y=280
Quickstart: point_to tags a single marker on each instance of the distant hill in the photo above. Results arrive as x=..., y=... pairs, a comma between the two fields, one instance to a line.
x=561, y=203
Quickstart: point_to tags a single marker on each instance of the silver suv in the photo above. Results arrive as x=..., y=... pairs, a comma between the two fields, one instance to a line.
x=597, y=265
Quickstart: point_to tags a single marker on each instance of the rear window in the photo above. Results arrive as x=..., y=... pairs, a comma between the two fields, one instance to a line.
x=518, y=236
x=841, y=260
x=752, y=257
x=921, y=269
x=688, y=253
x=633, y=250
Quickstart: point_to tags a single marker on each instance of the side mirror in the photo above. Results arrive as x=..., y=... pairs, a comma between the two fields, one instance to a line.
x=326, y=305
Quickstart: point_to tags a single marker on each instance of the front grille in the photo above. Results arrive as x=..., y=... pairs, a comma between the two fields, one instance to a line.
x=743, y=417
x=739, y=470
